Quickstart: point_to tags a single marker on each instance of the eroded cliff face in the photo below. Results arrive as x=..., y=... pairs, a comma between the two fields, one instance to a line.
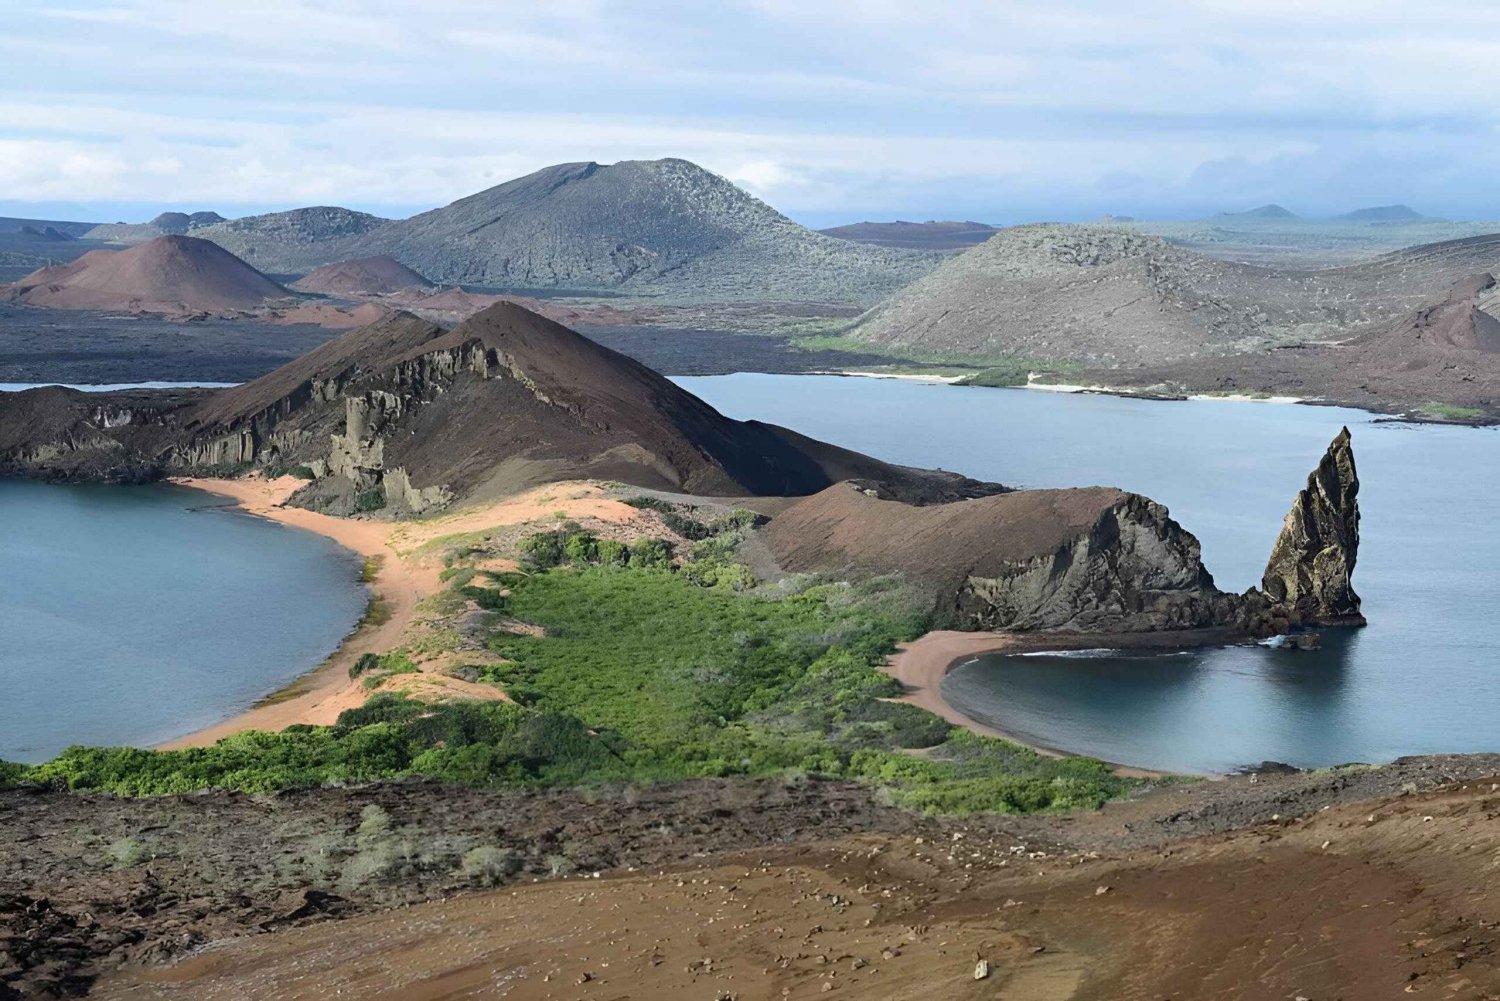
x=1308, y=574
x=1134, y=570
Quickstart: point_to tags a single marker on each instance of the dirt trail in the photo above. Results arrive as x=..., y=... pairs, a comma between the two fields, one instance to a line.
x=1370, y=900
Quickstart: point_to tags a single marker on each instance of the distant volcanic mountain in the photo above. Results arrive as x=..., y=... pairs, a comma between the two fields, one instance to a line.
x=663, y=228
x=1108, y=296
x=380, y=275
x=165, y=224
x=932, y=235
x=177, y=223
x=169, y=274
x=1267, y=212
x=1385, y=213
x=423, y=417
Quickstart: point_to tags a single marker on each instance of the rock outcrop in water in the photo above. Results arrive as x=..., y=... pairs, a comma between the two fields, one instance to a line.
x=1087, y=560
x=1312, y=562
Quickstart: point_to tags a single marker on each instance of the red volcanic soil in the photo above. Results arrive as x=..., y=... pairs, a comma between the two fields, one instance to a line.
x=170, y=274
x=380, y=275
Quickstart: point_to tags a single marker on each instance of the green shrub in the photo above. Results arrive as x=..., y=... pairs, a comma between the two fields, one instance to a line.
x=612, y=554
x=126, y=853
x=11, y=773
x=488, y=865
x=366, y=662
x=372, y=499
x=648, y=554
x=544, y=550
x=581, y=547
x=490, y=599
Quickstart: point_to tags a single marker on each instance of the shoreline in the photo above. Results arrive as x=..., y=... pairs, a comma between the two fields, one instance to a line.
x=404, y=577
x=319, y=695
x=921, y=665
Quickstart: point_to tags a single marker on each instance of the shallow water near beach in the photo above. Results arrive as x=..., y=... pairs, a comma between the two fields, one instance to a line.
x=1423, y=677
x=131, y=615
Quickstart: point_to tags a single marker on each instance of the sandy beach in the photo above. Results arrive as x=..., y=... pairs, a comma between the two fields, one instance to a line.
x=403, y=578
x=320, y=696
x=921, y=665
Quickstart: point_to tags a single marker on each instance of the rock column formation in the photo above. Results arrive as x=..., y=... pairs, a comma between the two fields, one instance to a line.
x=1308, y=575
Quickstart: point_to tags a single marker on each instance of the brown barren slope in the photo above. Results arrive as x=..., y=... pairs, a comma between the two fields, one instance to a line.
x=168, y=274
x=1372, y=900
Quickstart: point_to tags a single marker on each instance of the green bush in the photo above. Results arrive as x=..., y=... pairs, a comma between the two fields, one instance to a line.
x=544, y=550
x=647, y=554
x=372, y=499
x=11, y=773
x=581, y=547
x=366, y=662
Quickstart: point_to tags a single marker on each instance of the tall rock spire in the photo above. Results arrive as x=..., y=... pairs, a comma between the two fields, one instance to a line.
x=1308, y=576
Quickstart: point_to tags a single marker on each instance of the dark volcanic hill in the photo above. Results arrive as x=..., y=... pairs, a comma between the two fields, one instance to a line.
x=420, y=417
x=650, y=227
x=364, y=276
x=933, y=235
x=1112, y=296
x=169, y=274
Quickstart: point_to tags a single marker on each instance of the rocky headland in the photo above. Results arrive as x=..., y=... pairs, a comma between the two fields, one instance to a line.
x=404, y=418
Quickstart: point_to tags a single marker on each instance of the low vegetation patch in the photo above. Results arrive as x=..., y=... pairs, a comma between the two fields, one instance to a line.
x=648, y=665
x=1449, y=412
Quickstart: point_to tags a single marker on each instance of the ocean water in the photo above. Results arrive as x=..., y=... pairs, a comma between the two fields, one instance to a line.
x=131, y=615
x=1423, y=677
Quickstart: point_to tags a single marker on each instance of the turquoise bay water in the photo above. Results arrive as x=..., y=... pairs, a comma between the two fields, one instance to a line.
x=1423, y=677
x=130, y=615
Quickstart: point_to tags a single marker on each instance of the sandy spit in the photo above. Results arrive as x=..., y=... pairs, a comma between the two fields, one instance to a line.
x=405, y=576
x=321, y=695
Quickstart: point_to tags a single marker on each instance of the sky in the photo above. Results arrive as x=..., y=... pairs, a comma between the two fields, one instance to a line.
x=830, y=110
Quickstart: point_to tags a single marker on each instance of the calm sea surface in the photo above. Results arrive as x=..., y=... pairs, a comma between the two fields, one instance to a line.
x=130, y=615
x=1423, y=677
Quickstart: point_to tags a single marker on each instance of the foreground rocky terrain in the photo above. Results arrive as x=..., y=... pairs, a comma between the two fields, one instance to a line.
x=1356, y=883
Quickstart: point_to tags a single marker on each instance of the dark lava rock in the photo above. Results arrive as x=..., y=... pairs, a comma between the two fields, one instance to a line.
x=1309, y=572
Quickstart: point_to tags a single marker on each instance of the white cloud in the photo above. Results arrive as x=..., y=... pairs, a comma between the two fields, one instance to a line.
x=877, y=105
